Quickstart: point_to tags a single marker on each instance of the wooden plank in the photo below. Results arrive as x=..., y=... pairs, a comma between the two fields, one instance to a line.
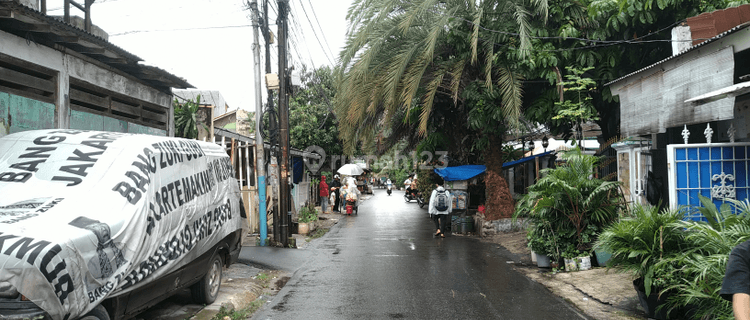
x=66, y=39
x=23, y=79
x=78, y=107
x=28, y=94
x=89, y=50
x=130, y=110
x=6, y=13
x=88, y=98
x=162, y=118
x=33, y=27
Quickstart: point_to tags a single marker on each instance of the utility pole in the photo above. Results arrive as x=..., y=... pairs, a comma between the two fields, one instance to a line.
x=272, y=122
x=284, y=125
x=259, y=146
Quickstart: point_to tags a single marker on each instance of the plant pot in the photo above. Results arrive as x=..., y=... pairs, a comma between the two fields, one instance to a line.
x=652, y=302
x=542, y=261
x=602, y=257
x=570, y=265
x=304, y=228
x=584, y=263
x=467, y=225
x=533, y=257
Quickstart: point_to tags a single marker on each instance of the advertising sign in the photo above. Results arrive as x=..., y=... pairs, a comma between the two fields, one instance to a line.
x=88, y=215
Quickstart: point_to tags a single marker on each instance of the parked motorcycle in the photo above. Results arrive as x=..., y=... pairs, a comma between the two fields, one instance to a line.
x=409, y=196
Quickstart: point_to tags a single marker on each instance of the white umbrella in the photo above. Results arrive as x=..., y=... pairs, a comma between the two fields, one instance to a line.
x=351, y=169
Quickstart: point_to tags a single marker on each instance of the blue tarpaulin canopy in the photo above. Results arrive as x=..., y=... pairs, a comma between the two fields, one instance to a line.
x=522, y=160
x=470, y=171
x=461, y=172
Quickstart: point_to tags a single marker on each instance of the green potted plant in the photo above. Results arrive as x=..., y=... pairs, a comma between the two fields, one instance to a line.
x=646, y=243
x=571, y=203
x=307, y=217
x=702, y=266
x=541, y=241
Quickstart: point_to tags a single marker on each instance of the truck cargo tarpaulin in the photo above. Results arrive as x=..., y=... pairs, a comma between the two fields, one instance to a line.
x=86, y=215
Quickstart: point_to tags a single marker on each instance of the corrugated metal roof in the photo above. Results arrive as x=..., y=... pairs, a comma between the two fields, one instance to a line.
x=208, y=97
x=719, y=36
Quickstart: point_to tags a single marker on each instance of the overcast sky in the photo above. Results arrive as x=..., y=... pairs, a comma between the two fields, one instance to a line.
x=209, y=42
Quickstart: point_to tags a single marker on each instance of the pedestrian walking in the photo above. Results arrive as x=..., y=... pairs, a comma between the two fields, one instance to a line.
x=335, y=188
x=440, y=207
x=323, y=187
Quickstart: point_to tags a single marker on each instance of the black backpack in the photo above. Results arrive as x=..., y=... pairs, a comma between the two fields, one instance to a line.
x=441, y=201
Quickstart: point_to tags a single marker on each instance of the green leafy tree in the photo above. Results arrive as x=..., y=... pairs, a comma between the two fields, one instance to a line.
x=577, y=108
x=185, y=118
x=311, y=118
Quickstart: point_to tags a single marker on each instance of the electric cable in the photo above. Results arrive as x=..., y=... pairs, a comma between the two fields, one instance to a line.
x=316, y=34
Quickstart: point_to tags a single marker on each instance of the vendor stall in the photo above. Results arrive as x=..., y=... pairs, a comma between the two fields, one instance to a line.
x=457, y=183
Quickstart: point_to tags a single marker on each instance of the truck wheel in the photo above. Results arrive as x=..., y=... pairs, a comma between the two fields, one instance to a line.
x=207, y=289
x=98, y=313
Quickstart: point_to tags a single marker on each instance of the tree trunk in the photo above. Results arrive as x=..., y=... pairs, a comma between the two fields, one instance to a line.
x=500, y=203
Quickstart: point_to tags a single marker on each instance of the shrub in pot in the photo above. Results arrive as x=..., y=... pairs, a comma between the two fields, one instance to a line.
x=306, y=217
x=702, y=266
x=646, y=242
x=573, y=206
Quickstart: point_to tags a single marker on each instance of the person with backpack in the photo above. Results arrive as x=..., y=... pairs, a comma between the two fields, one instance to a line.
x=441, y=205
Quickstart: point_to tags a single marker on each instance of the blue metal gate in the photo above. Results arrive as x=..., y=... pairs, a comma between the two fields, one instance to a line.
x=718, y=171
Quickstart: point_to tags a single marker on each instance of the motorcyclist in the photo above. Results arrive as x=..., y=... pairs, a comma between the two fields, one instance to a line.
x=407, y=184
x=389, y=185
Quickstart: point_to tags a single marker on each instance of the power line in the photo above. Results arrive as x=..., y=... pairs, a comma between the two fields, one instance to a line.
x=316, y=34
x=185, y=29
x=319, y=27
x=301, y=30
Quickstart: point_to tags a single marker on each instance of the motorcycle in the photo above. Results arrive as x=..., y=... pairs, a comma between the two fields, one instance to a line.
x=409, y=196
x=390, y=186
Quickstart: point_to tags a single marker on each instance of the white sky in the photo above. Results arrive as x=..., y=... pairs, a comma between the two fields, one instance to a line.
x=213, y=55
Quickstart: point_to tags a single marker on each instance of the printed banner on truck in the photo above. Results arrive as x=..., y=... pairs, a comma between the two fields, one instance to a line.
x=87, y=215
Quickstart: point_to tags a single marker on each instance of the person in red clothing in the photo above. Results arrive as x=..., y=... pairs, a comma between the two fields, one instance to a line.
x=323, y=194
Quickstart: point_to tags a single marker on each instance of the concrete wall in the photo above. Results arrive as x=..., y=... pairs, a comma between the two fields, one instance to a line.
x=20, y=114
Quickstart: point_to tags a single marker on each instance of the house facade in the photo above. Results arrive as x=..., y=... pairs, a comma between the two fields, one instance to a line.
x=62, y=72
x=686, y=116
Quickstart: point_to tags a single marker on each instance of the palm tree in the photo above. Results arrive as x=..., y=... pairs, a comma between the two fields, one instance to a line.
x=404, y=59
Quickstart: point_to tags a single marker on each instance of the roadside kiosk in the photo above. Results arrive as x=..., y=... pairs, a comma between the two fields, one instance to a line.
x=457, y=183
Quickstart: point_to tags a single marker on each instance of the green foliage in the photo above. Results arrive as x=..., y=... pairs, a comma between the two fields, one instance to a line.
x=570, y=207
x=319, y=232
x=685, y=258
x=577, y=107
x=407, y=63
x=308, y=213
x=702, y=267
x=185, y=118
x=643, y=239
x=311, y=118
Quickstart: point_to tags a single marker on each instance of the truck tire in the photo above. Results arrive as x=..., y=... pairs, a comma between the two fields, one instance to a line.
x=98, y=313
x=207, y=289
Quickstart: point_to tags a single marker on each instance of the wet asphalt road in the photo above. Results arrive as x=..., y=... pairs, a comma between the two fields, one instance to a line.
x=384, y=263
